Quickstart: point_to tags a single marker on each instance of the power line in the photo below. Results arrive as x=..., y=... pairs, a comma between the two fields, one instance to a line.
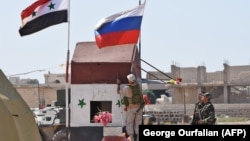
x=26, y=73
x=40, y=70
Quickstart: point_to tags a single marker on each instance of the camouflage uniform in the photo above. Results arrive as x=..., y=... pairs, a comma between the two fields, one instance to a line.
x=198, y=106
x=207, y=113
x=196, y=115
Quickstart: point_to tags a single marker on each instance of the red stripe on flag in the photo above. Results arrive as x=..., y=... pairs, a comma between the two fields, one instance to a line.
x=29, y=10
x=117, y=38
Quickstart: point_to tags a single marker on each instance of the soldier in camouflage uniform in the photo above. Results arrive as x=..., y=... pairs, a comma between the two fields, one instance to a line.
x=207, y=112
x=198, y=106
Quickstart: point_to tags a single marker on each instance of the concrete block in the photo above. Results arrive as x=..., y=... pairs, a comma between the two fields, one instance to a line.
x=112, y=131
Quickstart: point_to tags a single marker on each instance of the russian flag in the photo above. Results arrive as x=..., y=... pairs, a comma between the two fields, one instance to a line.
x=120, y=28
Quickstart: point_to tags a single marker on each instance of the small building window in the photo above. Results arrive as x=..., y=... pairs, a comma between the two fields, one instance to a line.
x=99, y=106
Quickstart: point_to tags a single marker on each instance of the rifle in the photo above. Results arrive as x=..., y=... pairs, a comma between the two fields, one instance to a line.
x=141, y=106
x=196, y=115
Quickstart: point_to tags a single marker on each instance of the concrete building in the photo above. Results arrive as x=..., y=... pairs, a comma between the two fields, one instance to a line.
x=231, y=85
x=36, y=94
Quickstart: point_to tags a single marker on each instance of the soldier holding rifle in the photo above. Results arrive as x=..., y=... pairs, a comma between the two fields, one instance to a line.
x=133, y=100
x=198, y=106
x=205, y=113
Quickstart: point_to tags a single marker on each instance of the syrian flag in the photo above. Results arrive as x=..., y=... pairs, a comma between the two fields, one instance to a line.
x=42, y=14
x=120, y=28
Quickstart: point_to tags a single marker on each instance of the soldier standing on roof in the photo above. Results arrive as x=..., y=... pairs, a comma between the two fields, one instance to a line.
x=133, y=100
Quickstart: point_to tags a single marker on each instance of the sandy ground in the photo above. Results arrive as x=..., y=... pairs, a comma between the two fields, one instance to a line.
x=235, y=123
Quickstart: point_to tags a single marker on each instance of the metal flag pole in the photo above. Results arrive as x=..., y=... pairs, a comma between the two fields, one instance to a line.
x=140, y=38
x=67, y=77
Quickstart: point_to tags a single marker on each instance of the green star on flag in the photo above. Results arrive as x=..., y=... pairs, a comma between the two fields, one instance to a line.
x=81, y=102
x=119, y=103
x=34, y=14
x=51, y=6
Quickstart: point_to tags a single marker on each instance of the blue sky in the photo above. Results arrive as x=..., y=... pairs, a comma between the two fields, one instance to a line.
x=187, y=33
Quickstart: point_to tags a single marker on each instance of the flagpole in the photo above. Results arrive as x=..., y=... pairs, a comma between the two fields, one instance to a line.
x=67, y=76
x=140, y=38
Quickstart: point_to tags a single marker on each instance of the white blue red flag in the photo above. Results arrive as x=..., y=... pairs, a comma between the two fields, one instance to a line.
x=120, y=28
